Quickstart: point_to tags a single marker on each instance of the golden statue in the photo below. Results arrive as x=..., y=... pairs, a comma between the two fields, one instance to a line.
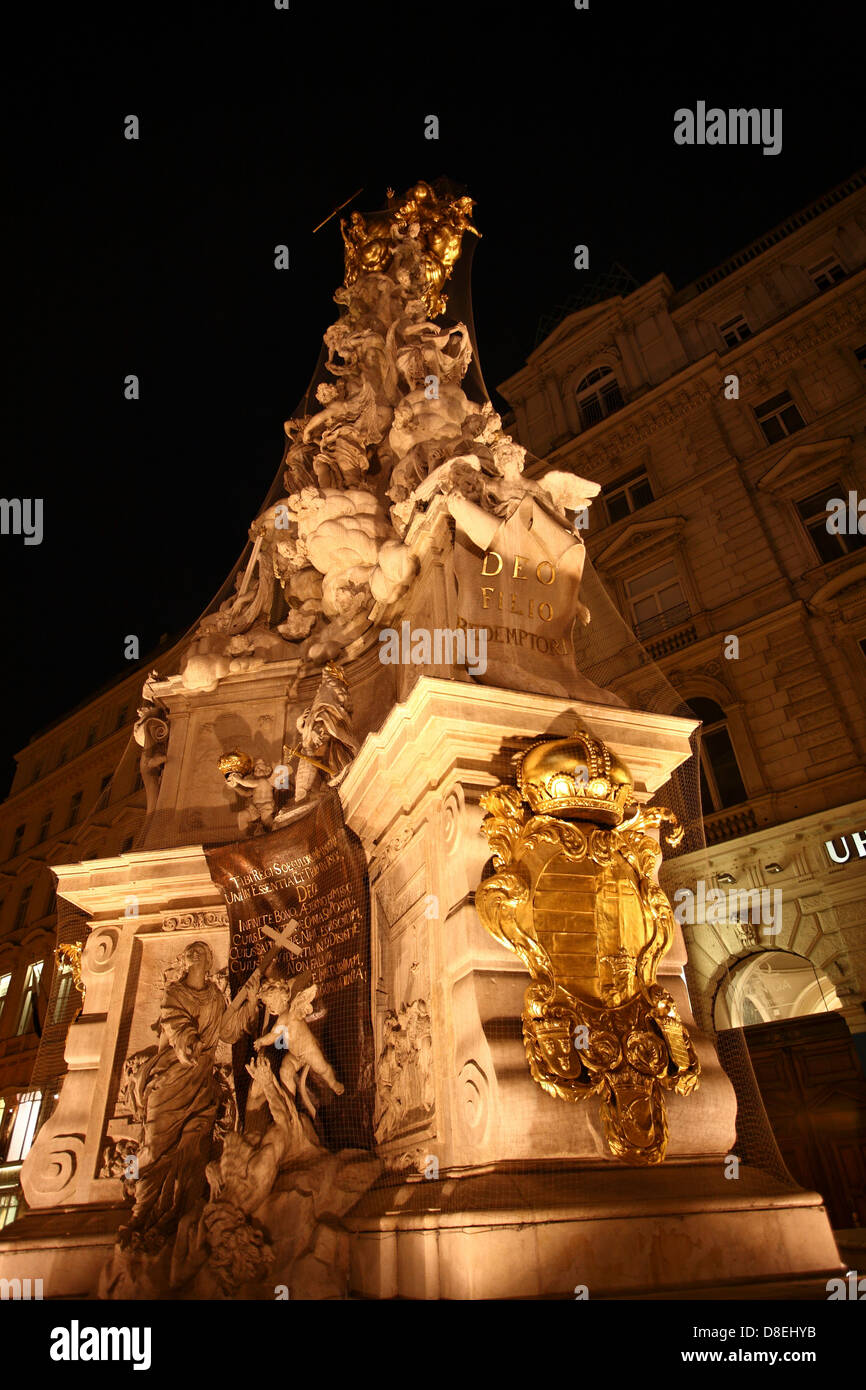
x=435, y=224
x=579, y=905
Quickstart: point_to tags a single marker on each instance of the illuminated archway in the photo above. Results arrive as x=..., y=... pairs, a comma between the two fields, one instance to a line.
x=770, y=986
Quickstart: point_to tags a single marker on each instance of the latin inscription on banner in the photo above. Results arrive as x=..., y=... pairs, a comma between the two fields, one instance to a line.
x=335, y=909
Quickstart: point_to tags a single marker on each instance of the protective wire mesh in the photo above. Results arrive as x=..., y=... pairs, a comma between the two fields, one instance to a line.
x=608, y=651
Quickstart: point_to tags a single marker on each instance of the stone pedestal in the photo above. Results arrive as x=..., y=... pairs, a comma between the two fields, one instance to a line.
x=680, y=1231
x=510, y=1192
x=496, y=1189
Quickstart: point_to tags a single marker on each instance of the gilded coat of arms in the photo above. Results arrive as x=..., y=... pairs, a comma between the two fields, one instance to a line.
x=573, y=893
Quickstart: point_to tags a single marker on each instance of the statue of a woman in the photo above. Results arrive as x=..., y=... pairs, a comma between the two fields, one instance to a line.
x=176, y=1095
x=328, y=743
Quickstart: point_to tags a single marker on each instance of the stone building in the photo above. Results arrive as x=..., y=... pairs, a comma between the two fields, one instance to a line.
x=725, y=422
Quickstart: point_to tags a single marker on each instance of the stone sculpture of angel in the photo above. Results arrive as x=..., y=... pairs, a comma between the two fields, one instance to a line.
x=292, y=1035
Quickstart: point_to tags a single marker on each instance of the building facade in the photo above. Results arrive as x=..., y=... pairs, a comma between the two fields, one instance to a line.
x=725, y=422
x=76, y=794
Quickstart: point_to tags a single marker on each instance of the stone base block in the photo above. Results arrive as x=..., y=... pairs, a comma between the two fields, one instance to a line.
x=65, y=1249
x=679, y=1231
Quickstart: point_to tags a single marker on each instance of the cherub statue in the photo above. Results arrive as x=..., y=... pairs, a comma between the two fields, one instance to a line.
x=256, y=782
x=291, y=1034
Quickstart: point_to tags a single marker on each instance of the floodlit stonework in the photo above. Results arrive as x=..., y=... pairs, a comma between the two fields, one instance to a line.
x=216, y=1134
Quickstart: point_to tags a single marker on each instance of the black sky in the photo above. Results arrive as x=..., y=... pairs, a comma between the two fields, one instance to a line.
x=156, y=257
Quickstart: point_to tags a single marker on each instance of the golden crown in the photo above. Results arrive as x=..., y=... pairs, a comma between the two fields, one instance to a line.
x=577, y=778
x=235, y=761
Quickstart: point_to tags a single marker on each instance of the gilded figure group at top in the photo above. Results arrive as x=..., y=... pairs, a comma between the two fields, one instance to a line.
x=435, y=223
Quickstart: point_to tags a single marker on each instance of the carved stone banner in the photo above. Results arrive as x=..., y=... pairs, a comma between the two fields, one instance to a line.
x=300, y=895
x=522, y=585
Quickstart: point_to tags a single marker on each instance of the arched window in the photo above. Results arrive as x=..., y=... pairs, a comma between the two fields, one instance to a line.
x=721, y=781
x=598, y=395
x=773, y=985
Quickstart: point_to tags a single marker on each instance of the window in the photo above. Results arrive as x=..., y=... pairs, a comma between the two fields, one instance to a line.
x=91, y=736
x=779, y=417
x=127, y=844
x=35, y=772
x=735, y=331
x=657, y=601
x=628, y=495
x=598, y=395
x=29, y=1017
x=64, y=989
x=24, y=1126
x=5, y=981
x=122, y=716
x=814, y=515
x=860, y=354
x=827, y=273
x=45, y=826
x=16, y=840
x=64, y=754
x=721, y=781
x=23, y=906
x=8, y=1208
x=74, y=809
x=6, y=1117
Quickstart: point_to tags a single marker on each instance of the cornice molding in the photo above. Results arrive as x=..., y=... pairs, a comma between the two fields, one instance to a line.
x=808, y=332
x=638, y=537
x=847, y=583
x=802, y=462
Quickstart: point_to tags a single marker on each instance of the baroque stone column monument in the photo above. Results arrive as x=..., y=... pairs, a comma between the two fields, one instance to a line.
x=386, y=1001
x=531, y=1200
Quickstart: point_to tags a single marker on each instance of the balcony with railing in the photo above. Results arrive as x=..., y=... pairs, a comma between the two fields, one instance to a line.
x=729, y=824
x=663, y=622
x=676, y=622
x=604, y=402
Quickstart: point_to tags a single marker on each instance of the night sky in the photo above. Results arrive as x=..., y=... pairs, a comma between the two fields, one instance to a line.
x=156, y=257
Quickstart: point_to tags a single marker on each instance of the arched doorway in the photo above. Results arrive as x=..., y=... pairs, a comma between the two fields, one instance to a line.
x=773, y=985
x=807, y=1071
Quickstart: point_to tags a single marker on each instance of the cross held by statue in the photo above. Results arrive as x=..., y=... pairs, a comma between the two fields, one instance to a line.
x=284, y=938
